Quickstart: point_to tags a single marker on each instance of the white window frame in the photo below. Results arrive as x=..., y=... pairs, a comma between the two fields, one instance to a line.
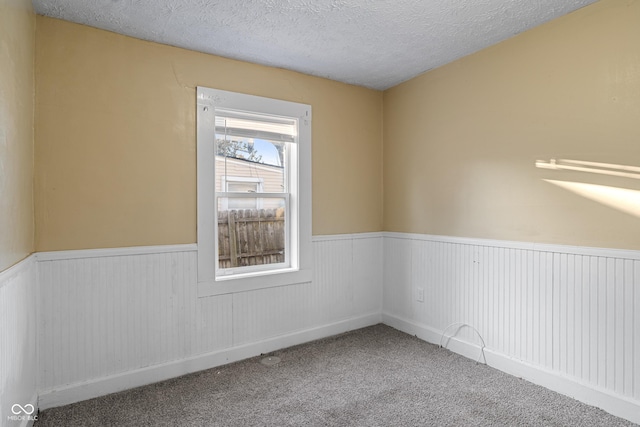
x=299, y=269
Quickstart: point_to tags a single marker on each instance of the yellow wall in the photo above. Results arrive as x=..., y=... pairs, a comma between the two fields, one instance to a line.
x=17, y=41
x=460, y=142
x=115, y=139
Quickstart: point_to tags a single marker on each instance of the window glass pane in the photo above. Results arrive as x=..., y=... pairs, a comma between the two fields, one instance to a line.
x=236, y=203
x=251, y=160
x=254, y=236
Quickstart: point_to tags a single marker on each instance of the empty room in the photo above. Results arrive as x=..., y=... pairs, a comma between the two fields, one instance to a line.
x=333, y=212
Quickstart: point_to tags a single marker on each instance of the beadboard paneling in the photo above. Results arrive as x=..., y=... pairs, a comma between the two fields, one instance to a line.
x=18, y=345
x=366, y=274
x=564, y=315
x=103, y=315
x=348, y=269
x=571, y=311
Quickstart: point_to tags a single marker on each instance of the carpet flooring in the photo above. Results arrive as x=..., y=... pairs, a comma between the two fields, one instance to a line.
x=376, y=376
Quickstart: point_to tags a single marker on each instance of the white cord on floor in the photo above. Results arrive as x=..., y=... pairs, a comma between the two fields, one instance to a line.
x=469, y=326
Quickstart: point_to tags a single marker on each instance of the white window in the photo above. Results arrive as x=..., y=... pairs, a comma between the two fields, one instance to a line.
x=254, y=192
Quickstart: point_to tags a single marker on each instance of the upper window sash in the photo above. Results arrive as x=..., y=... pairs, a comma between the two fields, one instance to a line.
x=243, y=124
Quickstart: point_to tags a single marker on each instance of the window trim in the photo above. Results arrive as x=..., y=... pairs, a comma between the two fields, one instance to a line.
x=208, y=100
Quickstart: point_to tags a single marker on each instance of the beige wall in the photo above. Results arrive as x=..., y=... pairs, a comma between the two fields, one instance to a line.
x=115, y=139
x=460, y=142
x=17, y=41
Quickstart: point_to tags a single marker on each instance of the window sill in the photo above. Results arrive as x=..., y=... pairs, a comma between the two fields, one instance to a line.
x=253, y=281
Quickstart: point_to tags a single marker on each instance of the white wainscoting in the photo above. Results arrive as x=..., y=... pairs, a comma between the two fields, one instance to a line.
x=567, y=318
x=112, y=319
x=105, y=320
x=18, y=345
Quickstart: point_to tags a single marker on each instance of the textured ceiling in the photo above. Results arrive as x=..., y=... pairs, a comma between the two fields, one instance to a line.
x=372, y=43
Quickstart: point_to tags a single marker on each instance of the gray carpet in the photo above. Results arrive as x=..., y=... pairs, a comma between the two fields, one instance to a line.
x=375, y=376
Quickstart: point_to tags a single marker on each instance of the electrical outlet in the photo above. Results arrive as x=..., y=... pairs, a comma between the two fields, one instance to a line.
x=420, y=294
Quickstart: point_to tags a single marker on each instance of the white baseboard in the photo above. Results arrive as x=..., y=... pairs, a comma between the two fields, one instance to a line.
x=152, y=374
x=617, y=405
